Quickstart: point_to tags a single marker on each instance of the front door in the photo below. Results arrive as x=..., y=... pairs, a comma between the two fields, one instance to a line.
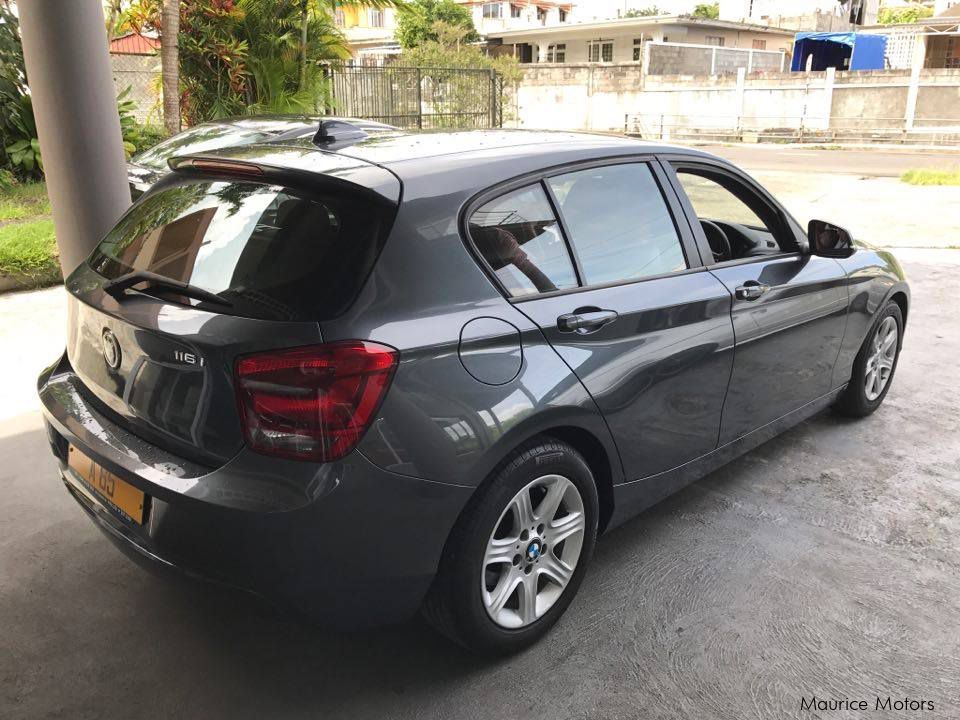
x=602, y=261
x=789, y=307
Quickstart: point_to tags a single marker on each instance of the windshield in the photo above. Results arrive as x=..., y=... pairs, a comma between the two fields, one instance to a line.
x=270, y=252
x=198, y=139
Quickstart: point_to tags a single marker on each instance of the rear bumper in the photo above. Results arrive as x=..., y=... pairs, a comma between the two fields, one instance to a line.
x=346, y=543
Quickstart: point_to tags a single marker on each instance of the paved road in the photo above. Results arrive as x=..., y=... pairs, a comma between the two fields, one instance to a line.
x=825, y=562
x=867, y=163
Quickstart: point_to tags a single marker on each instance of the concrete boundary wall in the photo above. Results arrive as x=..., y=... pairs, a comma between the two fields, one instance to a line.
x=610, y=97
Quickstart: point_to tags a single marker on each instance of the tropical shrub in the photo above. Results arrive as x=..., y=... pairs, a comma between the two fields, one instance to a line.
x=710, y=11
x=246, y=56
x=455, y=96
x=418, y=21
x=904, y=14
x=18, y=132
x=644, y=12
x=137, y=137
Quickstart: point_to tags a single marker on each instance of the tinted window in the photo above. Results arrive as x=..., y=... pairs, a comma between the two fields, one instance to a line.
x=619, y=223
x=518, y=236
x=269, y=252
x=194, y=140
x=735, y=221
x=712, y=201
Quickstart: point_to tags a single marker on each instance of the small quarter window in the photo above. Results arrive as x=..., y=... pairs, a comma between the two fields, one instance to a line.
x=518, y=235
x=619, y=223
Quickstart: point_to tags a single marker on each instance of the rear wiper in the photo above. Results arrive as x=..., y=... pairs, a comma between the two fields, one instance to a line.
x=117, y=286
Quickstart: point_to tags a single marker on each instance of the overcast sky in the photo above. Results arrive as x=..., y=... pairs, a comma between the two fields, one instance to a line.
x=586, y=9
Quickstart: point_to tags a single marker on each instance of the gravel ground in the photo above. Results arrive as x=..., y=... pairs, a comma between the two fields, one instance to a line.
x=824, y=563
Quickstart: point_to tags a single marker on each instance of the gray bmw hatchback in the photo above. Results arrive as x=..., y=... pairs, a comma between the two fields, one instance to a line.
x=424, y=372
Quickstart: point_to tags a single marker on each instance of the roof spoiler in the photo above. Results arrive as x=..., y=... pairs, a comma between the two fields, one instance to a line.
x=334, y=132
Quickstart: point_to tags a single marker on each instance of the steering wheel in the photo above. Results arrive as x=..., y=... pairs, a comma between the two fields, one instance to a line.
x=717, y=238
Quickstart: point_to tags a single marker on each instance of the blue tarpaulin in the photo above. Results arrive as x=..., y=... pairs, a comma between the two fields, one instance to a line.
x=843, y=51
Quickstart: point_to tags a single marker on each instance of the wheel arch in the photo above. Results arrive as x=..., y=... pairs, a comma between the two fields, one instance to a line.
x=900, y=298
x=599, y=461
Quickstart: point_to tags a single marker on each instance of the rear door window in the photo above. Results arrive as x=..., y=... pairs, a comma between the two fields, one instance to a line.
x=620, y=226
x=519, y=237
x=270, y=252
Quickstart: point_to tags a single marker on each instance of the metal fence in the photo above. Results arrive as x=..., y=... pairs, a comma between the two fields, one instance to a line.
x=666, y=58
x=141, y=74
x=424, y=98
x=791, y=129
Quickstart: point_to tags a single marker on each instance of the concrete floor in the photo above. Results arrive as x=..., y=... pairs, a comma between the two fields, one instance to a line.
x=826, y=562
x=852, y=160
x=859, y=190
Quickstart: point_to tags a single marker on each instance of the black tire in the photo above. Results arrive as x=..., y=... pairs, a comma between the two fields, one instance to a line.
x=454, y=605
x=853, y=402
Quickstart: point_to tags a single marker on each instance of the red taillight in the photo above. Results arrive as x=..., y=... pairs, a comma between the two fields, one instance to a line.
x=312, y=403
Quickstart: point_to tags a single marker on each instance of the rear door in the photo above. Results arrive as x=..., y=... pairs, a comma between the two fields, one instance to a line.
x=265, y=263
x=789, y=307
x=596, y=257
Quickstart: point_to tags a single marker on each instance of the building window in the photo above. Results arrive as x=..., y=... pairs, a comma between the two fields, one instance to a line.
x=338, y=17
x=541, y=14
x=516, y=11
x=759, y=44
x=492, y=10
x=557, y=52
x=600, y=51
x=717, y=40
x=637, y=49
x=375, y=18
x=563, y=15
x=951, y=57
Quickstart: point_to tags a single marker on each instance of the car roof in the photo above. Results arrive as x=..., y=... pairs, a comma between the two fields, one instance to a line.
x=402, y=147
x=454, y=158
x=282, y=124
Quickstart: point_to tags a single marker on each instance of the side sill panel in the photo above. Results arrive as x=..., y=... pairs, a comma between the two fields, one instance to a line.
x=632, y=498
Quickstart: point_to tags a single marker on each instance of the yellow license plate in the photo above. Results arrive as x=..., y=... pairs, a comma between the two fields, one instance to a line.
x=118, y=493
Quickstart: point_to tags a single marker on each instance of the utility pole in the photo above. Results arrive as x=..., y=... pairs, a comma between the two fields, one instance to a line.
x=75, y=105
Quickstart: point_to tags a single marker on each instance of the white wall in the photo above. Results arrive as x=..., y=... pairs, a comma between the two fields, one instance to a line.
x=577, y=40
x=608, y=9
x=758, y=10
x=739, y=10
x=528, y=18
x=600, y=97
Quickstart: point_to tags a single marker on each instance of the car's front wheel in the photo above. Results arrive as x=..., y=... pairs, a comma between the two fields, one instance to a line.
x=875, y=364
x=515, y=560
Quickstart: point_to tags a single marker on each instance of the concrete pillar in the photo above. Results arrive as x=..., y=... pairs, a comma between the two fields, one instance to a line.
x=828, y=83
x=740, y=94
x=74, y=100
x=913, y=90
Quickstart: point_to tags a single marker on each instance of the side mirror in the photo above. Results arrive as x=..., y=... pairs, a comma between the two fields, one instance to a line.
x=829, y=240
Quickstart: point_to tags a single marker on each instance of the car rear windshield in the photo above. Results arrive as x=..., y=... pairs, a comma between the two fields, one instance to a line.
x=266, y=250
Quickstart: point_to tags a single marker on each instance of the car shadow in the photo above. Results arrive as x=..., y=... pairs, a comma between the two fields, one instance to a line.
x=72, y=596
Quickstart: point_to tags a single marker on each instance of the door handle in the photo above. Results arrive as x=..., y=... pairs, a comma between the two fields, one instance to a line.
x=751, y=290
x=585, y=320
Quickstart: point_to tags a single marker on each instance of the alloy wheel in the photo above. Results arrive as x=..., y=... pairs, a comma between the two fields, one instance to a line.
x=533, y=551
x=880, y=362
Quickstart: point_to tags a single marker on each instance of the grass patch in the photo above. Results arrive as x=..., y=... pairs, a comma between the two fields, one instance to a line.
x=22, y=201
x=29, y=250
x=931, y=177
